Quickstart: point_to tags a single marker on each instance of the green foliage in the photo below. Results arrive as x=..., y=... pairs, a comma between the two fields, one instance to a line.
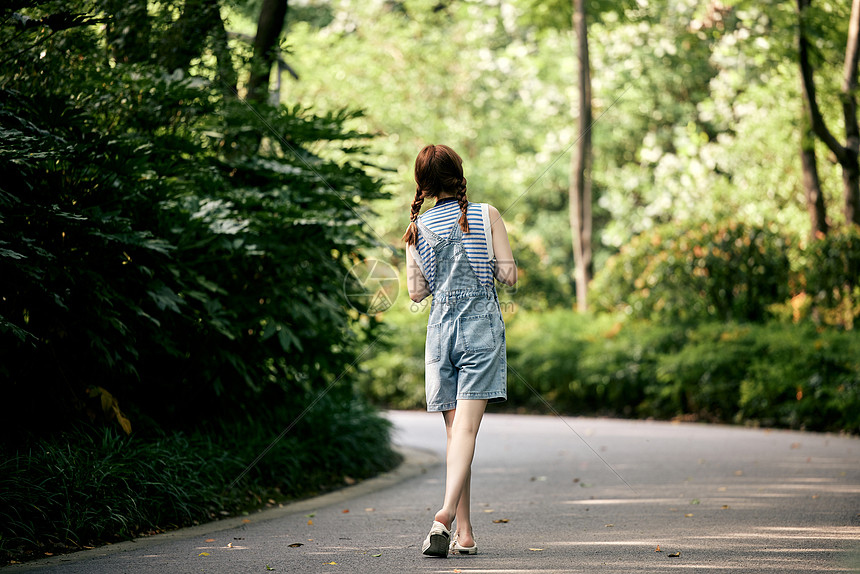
x=392, y=374
x=584, y=364
x=772, y=373
x=832, y=276
x=90, y=485
x=726, y=271
x=802, y=377
x=687, y=97
x=164, y=240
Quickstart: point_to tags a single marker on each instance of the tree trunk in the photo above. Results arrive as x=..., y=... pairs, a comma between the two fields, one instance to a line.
x=846, y=155
x=812, y=185
x=269, y=27
x=809, y=166
x=850, y=166
x=580, y=166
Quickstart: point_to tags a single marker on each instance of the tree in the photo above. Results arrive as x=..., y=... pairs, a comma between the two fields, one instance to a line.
x=811, y=182
x=847, y=154
x=580, y=165
x=269, y=27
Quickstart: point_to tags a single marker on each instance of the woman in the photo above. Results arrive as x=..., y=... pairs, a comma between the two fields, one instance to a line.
x=454, y=252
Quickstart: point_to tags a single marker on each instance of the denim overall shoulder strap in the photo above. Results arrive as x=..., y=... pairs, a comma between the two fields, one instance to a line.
x=432, y=238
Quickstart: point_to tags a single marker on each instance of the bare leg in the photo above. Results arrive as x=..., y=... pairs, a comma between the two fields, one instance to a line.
x=462, y=426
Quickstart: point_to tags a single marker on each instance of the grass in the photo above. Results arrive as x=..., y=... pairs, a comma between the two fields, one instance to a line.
x=91, y=486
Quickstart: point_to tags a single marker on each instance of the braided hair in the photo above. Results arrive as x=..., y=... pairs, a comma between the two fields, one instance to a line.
x=411, y=235
x=438, y=170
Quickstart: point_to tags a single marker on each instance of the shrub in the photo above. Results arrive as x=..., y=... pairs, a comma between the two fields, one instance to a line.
x=161, y=240
x=803, y=377
x=773, y=373
x=724, y=271
x=94, y=485
x=832, y=276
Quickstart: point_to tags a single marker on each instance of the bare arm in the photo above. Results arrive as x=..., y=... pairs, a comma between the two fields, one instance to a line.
x=506, y=267
x=415, y=280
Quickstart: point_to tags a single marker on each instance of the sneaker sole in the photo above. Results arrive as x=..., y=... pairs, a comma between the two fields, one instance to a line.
x=438, y=546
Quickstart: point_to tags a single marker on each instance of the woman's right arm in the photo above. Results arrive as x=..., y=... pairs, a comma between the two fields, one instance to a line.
x=416, y=283
x=506, y=267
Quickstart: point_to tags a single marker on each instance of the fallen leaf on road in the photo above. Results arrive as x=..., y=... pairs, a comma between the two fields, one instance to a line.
x=536, y=549
x=369, y=509
x=488, y=510
x=295, y=545
x=500, y=521
x=609, y=525
x=310, y=522
x=674, y=555
x=203, y=554
x=245, y=521
x=345, y=511
x=725, y=507
x=331, y=563
x=311, y=515
x=376, y=555
x=210, y=540
x=688, y=516
x=658, y=549
x=695, y=501
x=269, y=567
x=230, y=545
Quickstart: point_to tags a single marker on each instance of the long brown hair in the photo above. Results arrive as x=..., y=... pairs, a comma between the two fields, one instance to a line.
x=438, y=169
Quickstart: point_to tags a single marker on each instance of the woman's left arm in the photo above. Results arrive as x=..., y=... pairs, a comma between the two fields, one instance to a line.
x=506, y=267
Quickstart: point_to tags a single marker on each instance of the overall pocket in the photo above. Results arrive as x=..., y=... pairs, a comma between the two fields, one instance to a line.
x=477, y=333
x=433, y=346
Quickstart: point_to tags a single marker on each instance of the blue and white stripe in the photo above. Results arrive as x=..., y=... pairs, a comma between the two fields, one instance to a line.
x=441, y=219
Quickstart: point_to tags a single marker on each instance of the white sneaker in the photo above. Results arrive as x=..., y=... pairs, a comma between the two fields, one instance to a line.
x=436, y=543
x=457, y=548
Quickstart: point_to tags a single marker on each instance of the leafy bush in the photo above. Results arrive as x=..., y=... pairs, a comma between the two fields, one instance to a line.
x=164, y=241
x=93, y=485
x=803, y=377
x=832, y=276
x=726, y=271
x=773, y=373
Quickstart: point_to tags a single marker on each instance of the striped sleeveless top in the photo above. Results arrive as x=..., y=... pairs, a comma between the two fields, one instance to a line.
x=441, y=219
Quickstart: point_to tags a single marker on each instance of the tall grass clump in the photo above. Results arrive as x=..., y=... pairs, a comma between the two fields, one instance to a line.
x=91, y=485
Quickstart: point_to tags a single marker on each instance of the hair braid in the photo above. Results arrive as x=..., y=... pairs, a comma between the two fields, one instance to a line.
x=411, y=235
x=464, y=205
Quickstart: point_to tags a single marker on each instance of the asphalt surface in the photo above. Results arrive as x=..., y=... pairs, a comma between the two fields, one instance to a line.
x=552, y=495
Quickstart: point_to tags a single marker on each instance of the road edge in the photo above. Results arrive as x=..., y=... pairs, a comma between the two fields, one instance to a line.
x=415, y=462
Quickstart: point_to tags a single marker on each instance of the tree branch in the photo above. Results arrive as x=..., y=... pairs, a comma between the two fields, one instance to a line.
x=849, y=80
x=806, y=74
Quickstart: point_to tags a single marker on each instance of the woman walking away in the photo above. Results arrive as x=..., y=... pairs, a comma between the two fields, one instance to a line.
x=454, y=251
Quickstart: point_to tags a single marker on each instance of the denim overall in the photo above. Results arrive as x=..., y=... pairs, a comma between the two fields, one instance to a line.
x=465, y=356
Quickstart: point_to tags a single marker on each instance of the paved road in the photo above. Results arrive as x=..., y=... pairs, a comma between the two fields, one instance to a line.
x=728, y=500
